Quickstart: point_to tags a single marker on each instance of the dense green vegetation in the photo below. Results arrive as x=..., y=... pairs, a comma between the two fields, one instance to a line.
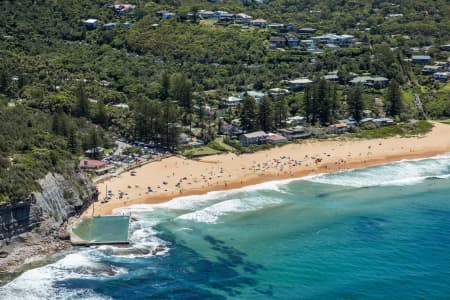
x=65, y=89
x=34, y=143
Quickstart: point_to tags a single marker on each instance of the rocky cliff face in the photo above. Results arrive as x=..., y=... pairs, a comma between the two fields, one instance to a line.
x=48, y=209
x=33, y=226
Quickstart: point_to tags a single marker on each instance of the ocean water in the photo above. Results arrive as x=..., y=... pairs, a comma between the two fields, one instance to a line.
x=375, y=233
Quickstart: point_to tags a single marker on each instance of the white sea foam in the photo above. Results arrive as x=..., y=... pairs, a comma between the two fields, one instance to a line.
x=40, y=283
x=405, y=172
x=211, y=214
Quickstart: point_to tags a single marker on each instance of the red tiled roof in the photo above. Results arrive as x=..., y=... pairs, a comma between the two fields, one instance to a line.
x=340, y=125
x=91, y=163
x=276, y=137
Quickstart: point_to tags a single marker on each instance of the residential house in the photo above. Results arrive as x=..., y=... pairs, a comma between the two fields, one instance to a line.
x=370, y=82
x=219, y=13
x=366, y=120
x=109, y=26
x=253, y=138
x=277, y=42
x=276, y=139
x=226, y=17
x=384, y=121
x=344, y=40
x=278, y=91
x=90, y=23
x=392, y=16
x=259, y=23
x=254, y=94
x=350, y=121
x=122, y=105
x=294, y=133
x=296, y=120
x=126, y=25
x=339, y=128
x=123, y=9
x=231, y=101
x=275, y=26
x=331, y=77
x=332, y=47
x=306, y=30
x=242, y=18
x=428, y=70
x=292, y=41
x=421, y=59
x=380, y=82
x=165, y=15
x=298, y=84
x=441, y=76
x=91, y=164
x=206, y=14
x=309, y=44
x=291, y=27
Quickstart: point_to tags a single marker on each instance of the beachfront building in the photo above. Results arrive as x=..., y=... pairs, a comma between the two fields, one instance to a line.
x=91, y=164
x=339, y=128
x=276, y=139
x=253, y=138
x=294, y=133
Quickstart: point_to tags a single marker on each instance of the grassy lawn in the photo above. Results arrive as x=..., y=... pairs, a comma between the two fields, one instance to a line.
x=419, y=128
x=209, y=22
x=200, y=151
x=219, y=145
x=445, y=121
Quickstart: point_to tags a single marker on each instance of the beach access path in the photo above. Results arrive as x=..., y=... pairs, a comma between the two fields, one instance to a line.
x=172, y=177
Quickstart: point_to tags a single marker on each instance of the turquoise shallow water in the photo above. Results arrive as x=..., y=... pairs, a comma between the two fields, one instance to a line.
x=376, y=233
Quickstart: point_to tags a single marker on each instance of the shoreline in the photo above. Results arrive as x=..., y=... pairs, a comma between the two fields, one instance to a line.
x=293, y=161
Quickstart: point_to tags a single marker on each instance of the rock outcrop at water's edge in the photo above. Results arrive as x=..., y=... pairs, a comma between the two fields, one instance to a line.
x=34, y=227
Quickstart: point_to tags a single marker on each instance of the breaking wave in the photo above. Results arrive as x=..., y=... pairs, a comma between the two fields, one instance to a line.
x=42, y=283
x=405, y=172
x=211, y=214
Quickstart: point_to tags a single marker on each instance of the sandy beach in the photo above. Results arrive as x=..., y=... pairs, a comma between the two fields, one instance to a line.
x=177, y=176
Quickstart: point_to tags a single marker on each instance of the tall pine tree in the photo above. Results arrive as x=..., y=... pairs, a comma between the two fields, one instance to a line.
x=265, y=114
x=393, y=99
x=82, y=108
x=355, y=102
x=248, y=114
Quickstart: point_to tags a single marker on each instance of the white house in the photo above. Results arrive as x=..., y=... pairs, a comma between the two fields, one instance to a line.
x=299, y=83
x=231, y=101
